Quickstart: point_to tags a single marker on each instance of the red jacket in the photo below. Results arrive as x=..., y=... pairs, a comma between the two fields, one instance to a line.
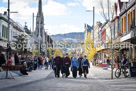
x=67, y=61
x=41, y=60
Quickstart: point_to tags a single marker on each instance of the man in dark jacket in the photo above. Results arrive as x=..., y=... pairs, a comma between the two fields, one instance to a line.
x=57, y=62
x=16, y=59
x=80, y=65
x=67, y=63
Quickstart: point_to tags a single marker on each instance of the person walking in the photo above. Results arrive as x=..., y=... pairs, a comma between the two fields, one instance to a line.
x=39, y=62
x=35, y=63
x=80, y=65
x=108, y=61
x=54, y=67
x=50, y=62
x=57, y=62
x=42, y=62
x=62, y=66
x=74, y=65
x=66, y=64
x=85, y=66
x=46, y=62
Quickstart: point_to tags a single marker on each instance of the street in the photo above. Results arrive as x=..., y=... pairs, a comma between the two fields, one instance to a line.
x=98, y=80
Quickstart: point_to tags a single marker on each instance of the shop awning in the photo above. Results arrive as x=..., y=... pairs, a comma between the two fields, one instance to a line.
x=98, y=49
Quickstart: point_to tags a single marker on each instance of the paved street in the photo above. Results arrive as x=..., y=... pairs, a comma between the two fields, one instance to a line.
x=98, y=80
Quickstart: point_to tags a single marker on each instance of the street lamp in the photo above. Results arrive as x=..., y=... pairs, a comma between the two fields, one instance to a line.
x=93, y=19
x=8, y=44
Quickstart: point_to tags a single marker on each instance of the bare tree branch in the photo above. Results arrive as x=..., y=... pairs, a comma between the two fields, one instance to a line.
x=108, y=3
x=103, y=11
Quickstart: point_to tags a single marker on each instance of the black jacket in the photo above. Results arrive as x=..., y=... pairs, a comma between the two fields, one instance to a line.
x=2, y=59
x=16, y=59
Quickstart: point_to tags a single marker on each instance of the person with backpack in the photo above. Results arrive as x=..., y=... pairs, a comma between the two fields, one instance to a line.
x=74, y=65
x=80, y=65
x=85, y=66
x=66, y=64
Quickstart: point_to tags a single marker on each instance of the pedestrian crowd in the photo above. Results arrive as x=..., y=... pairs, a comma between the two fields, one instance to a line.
x=59, y=64
x=27, y=63
x=63, y=65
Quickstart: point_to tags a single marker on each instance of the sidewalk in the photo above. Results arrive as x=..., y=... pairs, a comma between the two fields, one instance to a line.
x=99, y=72
x=32, y=77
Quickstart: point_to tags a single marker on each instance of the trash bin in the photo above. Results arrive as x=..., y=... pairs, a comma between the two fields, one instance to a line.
x=133, y=69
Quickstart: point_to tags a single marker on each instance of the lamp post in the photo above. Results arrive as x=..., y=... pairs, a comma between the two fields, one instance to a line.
x=93, y=19
x=8, y=44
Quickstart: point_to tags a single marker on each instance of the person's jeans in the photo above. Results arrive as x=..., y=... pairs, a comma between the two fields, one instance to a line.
x=39, y=66
x=67, y=70
x=24, y=72
x=74, y=71
x=58, y=70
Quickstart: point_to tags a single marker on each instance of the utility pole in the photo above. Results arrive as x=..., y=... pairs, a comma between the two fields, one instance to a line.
x=8, y=45
x=93, y=21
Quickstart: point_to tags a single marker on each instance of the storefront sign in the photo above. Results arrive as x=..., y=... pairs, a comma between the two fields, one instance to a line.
x=127, y=37
x=104, y=51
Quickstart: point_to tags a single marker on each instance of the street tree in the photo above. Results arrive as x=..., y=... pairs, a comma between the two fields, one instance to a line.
x=50, y=52
x=57, y=51
x=21, y=43
x=108, y=17
x=89, y=47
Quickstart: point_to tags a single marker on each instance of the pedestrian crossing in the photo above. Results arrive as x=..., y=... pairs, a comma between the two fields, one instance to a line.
x=123, y=84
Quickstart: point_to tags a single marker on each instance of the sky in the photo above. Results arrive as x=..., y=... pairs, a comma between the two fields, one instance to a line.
x=60, y=16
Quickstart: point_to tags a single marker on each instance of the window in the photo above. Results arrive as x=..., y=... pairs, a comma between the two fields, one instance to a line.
x=130, y=18
x=134, y=16
x=4, y=32
x=122, y=25
x=125, y=24
x=128, y=22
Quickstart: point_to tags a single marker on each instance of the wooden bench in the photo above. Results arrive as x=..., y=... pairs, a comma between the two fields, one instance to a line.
x=12, y=67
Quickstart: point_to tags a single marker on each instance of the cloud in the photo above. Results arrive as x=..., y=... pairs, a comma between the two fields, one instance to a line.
x=53, y=8
x=2, y=9
x=73, y=4
x=63, y=28
x=26, y=1
x=25, y=8
x=88, y=4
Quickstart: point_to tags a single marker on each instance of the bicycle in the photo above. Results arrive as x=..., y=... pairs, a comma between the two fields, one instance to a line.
x=122, y=69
